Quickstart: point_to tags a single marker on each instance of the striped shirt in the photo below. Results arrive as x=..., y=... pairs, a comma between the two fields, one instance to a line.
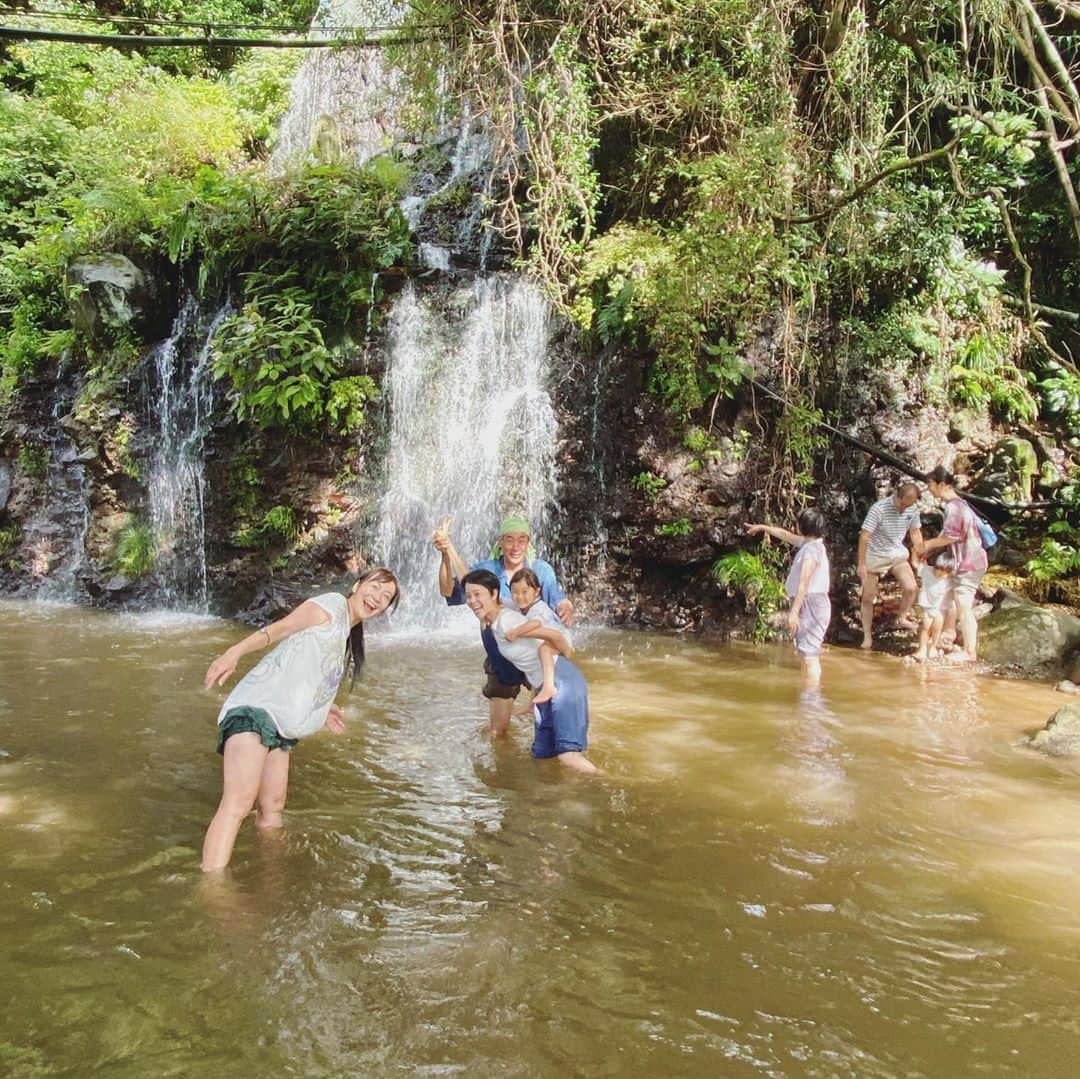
x=888, y=526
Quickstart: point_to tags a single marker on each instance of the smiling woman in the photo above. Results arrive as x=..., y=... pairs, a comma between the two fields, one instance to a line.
x=562, y=722
x=287, y=696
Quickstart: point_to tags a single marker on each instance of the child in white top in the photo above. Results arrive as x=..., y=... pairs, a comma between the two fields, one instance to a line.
x=935, y=584
x=542, y=622
x=807, y=587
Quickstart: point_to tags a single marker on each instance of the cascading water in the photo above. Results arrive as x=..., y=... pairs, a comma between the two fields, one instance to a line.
x=342, y=101
x=472, y=432
x=472, y=429
x=183, y=407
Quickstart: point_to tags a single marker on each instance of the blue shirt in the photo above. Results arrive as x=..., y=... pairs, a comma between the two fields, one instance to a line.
x=550, y=592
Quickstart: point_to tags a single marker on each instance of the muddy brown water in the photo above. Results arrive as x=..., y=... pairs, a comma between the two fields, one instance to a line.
x=873, y=881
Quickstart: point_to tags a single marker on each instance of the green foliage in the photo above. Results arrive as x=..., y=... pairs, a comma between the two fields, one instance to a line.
x=280, y=523
x=681, y=526
x=649, y=484
x=9, y=539
x=1059, y=389
x=135, y=550
x=346, y=401
x=1057, y=563
x=757, y=578
x=702, y=445
x=33, y=460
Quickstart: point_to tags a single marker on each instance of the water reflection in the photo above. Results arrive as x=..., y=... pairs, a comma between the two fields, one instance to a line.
x=868, y=880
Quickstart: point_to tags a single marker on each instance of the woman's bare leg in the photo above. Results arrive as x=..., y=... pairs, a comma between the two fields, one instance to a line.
x=273, y=787
x=244, y=759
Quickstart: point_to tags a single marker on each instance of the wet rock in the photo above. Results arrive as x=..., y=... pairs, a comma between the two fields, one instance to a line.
x=1066, y=686
x=1010, y=471
x=1027, y=638
x=5, y=482
x=1061, y=735
x=107, y=291
x=117, y=583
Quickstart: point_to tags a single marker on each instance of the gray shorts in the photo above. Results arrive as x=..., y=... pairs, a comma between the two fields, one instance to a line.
x=814, y=616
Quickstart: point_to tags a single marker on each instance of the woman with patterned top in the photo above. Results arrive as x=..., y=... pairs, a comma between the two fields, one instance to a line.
x=960, y=533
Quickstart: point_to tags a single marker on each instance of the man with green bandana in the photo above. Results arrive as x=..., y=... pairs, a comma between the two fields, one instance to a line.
x=511, y=553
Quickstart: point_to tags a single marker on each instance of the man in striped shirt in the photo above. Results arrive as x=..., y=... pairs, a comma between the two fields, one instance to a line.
x=882, y=550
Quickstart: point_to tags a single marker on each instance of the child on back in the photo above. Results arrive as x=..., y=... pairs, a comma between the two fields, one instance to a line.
x=935, y=585
x=807, y=587
x=542, y=622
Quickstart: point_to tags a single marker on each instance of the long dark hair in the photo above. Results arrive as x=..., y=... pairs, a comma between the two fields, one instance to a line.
x=354, y=646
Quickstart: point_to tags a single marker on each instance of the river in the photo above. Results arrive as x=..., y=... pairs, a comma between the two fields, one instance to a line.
x=870, y=881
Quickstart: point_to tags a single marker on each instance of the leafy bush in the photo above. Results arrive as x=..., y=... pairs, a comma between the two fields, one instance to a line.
x=280, y=523
x=679, y=527
x=1054, y=570
x=756, y=577
x=135, y=551
x=649, y=484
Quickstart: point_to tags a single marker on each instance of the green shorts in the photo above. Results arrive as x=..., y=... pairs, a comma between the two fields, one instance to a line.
x=256, y=720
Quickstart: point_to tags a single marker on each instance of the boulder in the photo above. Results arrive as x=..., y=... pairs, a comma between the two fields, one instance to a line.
x=107, y=291
x=1010, y=472
x=1027, y=638
x=1061, y=735
x=5, y=482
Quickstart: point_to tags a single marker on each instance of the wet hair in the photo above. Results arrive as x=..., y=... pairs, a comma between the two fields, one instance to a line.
x=942, y=558
x=908, y=485
x=528, y=576
x=811, y=522
x=941, y=474
x=484, y=578
x=354, y=646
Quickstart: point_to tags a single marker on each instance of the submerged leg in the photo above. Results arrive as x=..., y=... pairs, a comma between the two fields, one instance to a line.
x=578, y=762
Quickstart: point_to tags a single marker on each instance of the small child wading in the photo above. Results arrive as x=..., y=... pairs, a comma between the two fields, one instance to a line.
x=286, y=696
x=807, y=587
x=542, y=623
x=935, y=592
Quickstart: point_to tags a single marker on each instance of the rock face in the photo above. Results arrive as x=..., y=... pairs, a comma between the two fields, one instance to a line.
x=108, y=291
x=1029, y=639
x=1061, y=735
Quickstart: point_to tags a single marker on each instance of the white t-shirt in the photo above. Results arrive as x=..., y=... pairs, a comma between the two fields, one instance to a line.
x=819, y=580
x=932, y=589
x=524, y=653
x=548, y=618
x=296, y=683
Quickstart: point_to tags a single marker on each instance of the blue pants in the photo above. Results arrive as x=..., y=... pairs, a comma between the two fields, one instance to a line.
x=562, y=724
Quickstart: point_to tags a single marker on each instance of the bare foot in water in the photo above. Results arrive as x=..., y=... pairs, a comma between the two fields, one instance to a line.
x=906, y=623
x=867, y=644
x=920, y=655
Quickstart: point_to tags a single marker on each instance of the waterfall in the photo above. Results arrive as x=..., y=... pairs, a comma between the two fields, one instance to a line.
x=472, y=429
x=182, y=412
x=342, y=101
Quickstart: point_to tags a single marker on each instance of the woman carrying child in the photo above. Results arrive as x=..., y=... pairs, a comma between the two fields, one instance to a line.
x=562, y=721
x=288, y=695
x=807, y=587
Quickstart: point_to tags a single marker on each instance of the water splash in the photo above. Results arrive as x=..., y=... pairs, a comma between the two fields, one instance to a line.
x=184, y=384
x=473, y=432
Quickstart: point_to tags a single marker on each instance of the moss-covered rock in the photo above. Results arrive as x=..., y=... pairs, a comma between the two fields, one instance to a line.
x=1027, y=638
